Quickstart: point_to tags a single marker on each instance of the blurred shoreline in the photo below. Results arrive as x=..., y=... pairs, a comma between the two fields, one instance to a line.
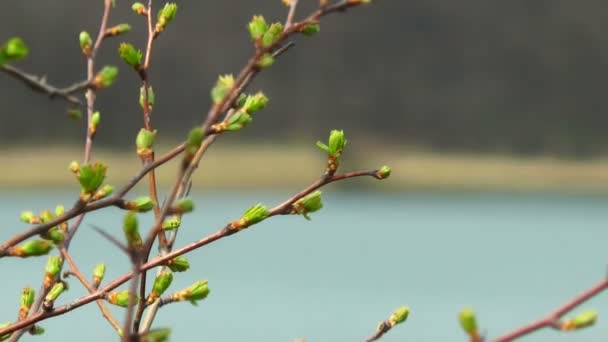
x=273, y=167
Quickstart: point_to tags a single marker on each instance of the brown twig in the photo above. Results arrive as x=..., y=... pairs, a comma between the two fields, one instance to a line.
x=292, y=11
x=281, y=209
x=39, y=84
x=76, y=272
x=552, y=320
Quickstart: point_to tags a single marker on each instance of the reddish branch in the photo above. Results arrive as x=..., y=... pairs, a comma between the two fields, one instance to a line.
x=281, y=209
x=552, y=320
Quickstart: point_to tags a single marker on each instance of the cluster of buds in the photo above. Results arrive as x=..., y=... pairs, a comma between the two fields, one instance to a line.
x=120, y=298
x=145, y=142
x=28, y=296
x=54, y=234
x=90, y=178
x=468, y=322
x=249, y=104
x=130, y=55
x=198, y=291
x=98, y=273
x=161, y=284
x=580, y=321
x=131, y=230
x=178, y=264
x=117, y=30
x=51, y=271
x=165, y=16
x=263, y=35
x=334, y=149
x=13, y=50
x=31, y=248
x=307, y=204
x=105, y=77
x=251, y=216
x=53, y=294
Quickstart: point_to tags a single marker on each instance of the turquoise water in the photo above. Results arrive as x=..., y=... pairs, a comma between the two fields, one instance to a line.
x=512, y=258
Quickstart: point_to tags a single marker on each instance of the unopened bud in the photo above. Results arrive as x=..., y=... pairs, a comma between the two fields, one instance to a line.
x=121, y=298
x=308, y=204
x=32, y=248
x=161, y=284
x=141, y=204
x=98, y=273
x=105, y=77
x=178, y=264
x=86, y=43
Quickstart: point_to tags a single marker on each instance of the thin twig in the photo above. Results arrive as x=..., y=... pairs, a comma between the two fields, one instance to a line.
x=292, y=11
x=552, y=320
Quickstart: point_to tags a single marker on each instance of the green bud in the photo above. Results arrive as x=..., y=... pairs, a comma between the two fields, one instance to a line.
x=118, y=29
x=141, y=204
x=55, y=292
x=240, y=102
x=172, y=223
x=580, y=321
x=105, y=191
x=336, y=142
x=251, y=216
x=55, y=235
x=86, y=43
x=157, y=335
x=53, y=266
x=198, y=291
x=237, y=121
x=36, y=330
x=266, y=61
x=468, y=321
x=257, y=27
x=95, y=119
x=28, y=295
x=195, y=139
x=105, y=77
x=91, y=177
x=399, y=316
x=184, y=205
x=59, y=210
x=139, y=8
x=14, y=49
x=29, y=217
x=165, y=16
x=161, y=284
x=222, y=87
x=310, y=29
x=144, y=142
x=131, y=56
x=255, y=103
x=32, y=248
x=98, y=273
x=308, y=204
x=120, y=298
x=46, y=216
x=74, y=114
x=142, y=97
x=383, y=173
x=272, y=35
x=131, y=230
x=178, y=264
x=74, y=167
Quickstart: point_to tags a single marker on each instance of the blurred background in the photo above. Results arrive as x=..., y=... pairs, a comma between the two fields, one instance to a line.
x=491, y=114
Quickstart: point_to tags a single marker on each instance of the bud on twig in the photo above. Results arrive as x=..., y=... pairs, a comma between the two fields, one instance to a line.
x=178, y=264
x=141, y=204
x=36, y=330
x=131, y=56
x=29, y=217
x=257, y=27
x=399, y=316
x=195, y=139
x=105, y=191
x=98, y=273
x=266, y=61
x=95, y=119
x=13, y=50
x=272, y=35
x=184, y=205
x=52, y=269
x=255, y=103
x=105, y=77
x=582, y=320
x=32, y=248
x=198, y=291
x=4, y=325
x=165, y=16
x=90, y=178
x=307, y=204
x=55, y=292
x=144, y=142
x=117, y=30
x=161, y=284
x=222, y=87
x=172, y=223
x=251, y=216
x=142, y=97
x=28, y=295
x=120, y=298
x=86, y=43
x=310, y=29
x=131, y=230
x=334, y=149
x=383, y=173
x=468, y=322
x=139, y=8
x=156, y=335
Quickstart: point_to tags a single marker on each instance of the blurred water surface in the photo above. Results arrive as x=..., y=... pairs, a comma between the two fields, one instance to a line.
x=511, y=257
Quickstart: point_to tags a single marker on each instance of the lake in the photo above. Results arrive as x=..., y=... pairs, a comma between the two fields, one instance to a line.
x=511, y=257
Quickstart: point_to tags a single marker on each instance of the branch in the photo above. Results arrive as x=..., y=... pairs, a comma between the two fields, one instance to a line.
x=552, y=320
x=39, y=84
